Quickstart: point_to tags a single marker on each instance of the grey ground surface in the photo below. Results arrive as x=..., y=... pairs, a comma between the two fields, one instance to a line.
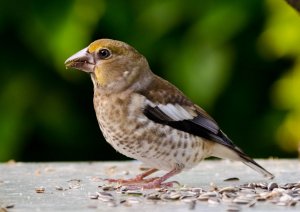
x=70, y=186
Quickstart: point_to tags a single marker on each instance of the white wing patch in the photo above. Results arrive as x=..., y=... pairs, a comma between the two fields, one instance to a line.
x=175, y=112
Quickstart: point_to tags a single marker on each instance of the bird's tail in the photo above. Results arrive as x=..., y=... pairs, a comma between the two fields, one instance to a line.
x=234, y=153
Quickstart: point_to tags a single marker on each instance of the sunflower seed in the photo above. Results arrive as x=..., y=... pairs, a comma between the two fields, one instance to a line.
x=107, y=188
x=93, y=196
x=105, y=196
x=228, y=189
x=40, y=190
x=174, y=195
x=203, y=198
x=59, y=188
x=9, y=205
x=272, y=185
x=154, y=196
x=231, y=179
x=134, y=192
x=188, y=194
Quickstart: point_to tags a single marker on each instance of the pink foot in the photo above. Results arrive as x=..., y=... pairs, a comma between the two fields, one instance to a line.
x=156, y=182
x=138, y=179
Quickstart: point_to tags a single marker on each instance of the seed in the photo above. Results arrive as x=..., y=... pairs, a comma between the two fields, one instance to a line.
x=228, y=189
x=235, y=196
x=290, y=185
x=59, y=188
x=174, y=195
x=211, y=194
x=93, y=196
x=292, y=203
x=232, y=179
x=207, y=195
x=272, y=185
x=229, y=195
x=134, y=192
x=102, y=193
x=262, y=185
x=188, y=199
x=107, y=188
x=154, y=196
x=9, y=206
x=203, y=198
x=40, y=189
x=249, y=185
x=188, y=194
x=297, y=185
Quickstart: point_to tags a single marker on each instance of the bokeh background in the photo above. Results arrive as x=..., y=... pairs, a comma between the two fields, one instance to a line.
x=240, y=60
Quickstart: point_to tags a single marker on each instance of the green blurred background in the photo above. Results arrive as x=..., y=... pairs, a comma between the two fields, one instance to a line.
x=239, y=60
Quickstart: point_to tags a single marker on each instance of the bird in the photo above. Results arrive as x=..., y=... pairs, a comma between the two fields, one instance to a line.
x=149, y=119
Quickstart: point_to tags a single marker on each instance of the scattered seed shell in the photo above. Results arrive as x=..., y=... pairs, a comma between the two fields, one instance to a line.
x=232, y=179
x=40, y=190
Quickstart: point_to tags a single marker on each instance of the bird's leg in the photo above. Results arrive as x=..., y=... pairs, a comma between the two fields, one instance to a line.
x=138, y=179
x=159, y=182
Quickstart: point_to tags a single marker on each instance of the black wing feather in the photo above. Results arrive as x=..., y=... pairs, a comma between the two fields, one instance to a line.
x=200, y=125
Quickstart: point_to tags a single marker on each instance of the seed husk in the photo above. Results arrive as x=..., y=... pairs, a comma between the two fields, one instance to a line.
x=40, y=189
x=231, y=179
x=272, y=185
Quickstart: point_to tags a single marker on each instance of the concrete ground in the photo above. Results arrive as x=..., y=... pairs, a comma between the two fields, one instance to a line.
x=77, y=186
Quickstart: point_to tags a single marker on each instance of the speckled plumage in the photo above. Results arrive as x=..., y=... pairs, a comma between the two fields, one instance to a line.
x=129, y=131
x=145, y=117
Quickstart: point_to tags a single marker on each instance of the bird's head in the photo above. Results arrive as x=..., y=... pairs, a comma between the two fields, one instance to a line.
x=113, y=65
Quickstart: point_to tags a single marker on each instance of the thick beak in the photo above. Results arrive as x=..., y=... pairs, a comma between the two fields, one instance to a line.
x=82, y=60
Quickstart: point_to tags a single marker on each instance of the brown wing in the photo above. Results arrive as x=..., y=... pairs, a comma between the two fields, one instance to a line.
x=167, y=105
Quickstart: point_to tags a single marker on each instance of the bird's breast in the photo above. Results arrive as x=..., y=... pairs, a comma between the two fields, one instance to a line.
x=130, y=132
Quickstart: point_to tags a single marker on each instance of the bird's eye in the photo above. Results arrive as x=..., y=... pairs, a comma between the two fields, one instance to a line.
x=104, y=53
